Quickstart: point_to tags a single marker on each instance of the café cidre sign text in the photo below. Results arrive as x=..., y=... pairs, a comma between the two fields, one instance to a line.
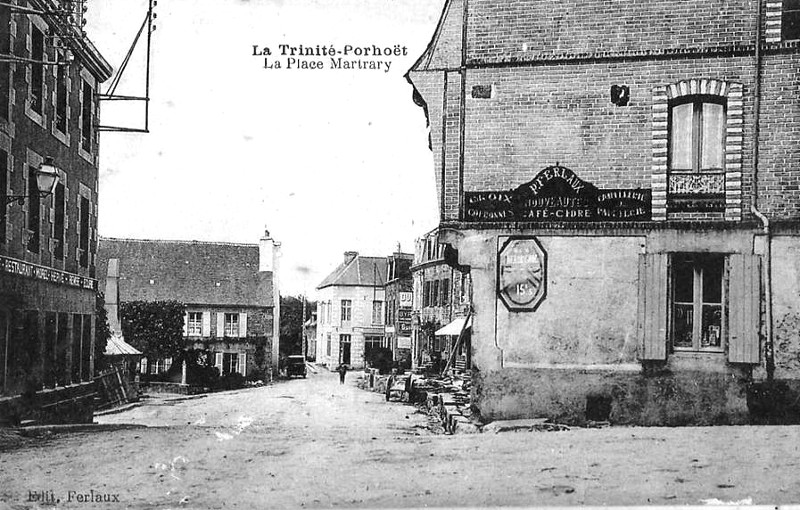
x=557, y=194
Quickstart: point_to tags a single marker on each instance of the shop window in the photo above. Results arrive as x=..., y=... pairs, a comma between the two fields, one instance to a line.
x=75, y=366
x=34, y=212
x=37, y=70
x=195, y=324
x=231, y=324
x=697, y=154
x=790, y=20
x=697, y=302
x=347, y=310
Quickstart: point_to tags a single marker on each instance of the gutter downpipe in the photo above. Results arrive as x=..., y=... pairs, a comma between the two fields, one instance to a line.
x=769, y=347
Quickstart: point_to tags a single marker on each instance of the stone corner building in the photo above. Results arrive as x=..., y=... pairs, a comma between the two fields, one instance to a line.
x=623, y=181
x=350, y=311
x=229, y=290
x=50, y=76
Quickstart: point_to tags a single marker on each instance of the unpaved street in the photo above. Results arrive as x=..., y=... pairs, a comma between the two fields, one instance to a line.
x=313, y=443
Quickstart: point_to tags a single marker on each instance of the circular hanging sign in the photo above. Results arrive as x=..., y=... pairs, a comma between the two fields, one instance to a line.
x=522, y=267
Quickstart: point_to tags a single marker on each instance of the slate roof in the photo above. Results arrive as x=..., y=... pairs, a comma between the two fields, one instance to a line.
x=191, y=272
x=359, y=272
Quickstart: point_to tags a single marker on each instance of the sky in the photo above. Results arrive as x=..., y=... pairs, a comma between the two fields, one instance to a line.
x=328, y=160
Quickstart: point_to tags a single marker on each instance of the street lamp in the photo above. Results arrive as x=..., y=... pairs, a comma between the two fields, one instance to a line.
x=46, y=181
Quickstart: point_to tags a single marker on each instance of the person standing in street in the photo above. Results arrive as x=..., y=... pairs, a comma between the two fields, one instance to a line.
x=342, y=372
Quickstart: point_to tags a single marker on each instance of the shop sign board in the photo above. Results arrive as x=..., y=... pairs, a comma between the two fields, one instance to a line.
x=522, y=274
x=404, y=342
x=406, y=299
x=558, y=194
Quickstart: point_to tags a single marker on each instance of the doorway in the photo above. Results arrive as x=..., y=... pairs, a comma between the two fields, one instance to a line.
x=344, y=349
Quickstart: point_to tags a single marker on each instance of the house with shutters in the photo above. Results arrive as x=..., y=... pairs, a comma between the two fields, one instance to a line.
x=229, y=291
x=622, y=180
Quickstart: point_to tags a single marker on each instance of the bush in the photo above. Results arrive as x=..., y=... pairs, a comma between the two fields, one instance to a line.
x=232, y=381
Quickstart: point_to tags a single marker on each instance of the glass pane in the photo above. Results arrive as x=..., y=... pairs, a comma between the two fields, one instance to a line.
x=683, y=277
x=713, y=125
x=712, y=281
x=681, y=137
x=683, y=323
x=712, y=326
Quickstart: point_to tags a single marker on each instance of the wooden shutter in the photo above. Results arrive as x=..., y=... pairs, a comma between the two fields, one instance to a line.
x=744, y=308
x=243, y=325
x=220, y=324
x=185, y=323
x=653, y=301
x=243, y=363
x=206, y=324
x=218, y=361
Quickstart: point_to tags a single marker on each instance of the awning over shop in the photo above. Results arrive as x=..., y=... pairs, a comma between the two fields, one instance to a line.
x=117, y=346
x=454, y=328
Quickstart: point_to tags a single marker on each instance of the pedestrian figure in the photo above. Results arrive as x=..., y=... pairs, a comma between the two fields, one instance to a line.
x=342, y=371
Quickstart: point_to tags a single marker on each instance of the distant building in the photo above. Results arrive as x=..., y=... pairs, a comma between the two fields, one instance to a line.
x=48, y=109
x=441, y=304
x=229, y=291
x=350, y=311
x=399, y=299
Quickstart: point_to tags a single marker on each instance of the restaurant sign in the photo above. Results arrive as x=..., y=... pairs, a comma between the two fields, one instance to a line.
x=557, y=194
x=28, y=270
x=522, y=274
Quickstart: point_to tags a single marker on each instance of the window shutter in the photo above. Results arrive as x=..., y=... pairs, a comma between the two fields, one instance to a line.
x=218, y=361
x=185, y=323
x=220, y=324
x=744, y=305
x=243, y=325
x=243, y=363
x=652, y=310
x=206, y=331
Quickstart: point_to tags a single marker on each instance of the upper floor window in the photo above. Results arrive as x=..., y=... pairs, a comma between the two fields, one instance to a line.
x=697, y=132
x=61, y=98
x=3, y=193
x=347, y=310
x=86, y=117
x=83, y=232
x=34, y=212
x=195, y=324
x=37, y=70
x=377, y=312
x=790, y=20
x=231, y=324
x=59, y=216
x=5, y=67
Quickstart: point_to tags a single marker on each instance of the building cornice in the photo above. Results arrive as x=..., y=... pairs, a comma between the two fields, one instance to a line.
x=549, y=58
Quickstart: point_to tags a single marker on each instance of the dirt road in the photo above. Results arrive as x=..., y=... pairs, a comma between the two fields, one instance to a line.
x=313, y=443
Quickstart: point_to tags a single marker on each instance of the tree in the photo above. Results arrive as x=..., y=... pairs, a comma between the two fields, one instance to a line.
x=291, y=339
x=102, y=332
x=154, y=327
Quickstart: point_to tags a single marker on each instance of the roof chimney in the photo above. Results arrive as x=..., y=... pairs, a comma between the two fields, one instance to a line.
x=349, y=256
